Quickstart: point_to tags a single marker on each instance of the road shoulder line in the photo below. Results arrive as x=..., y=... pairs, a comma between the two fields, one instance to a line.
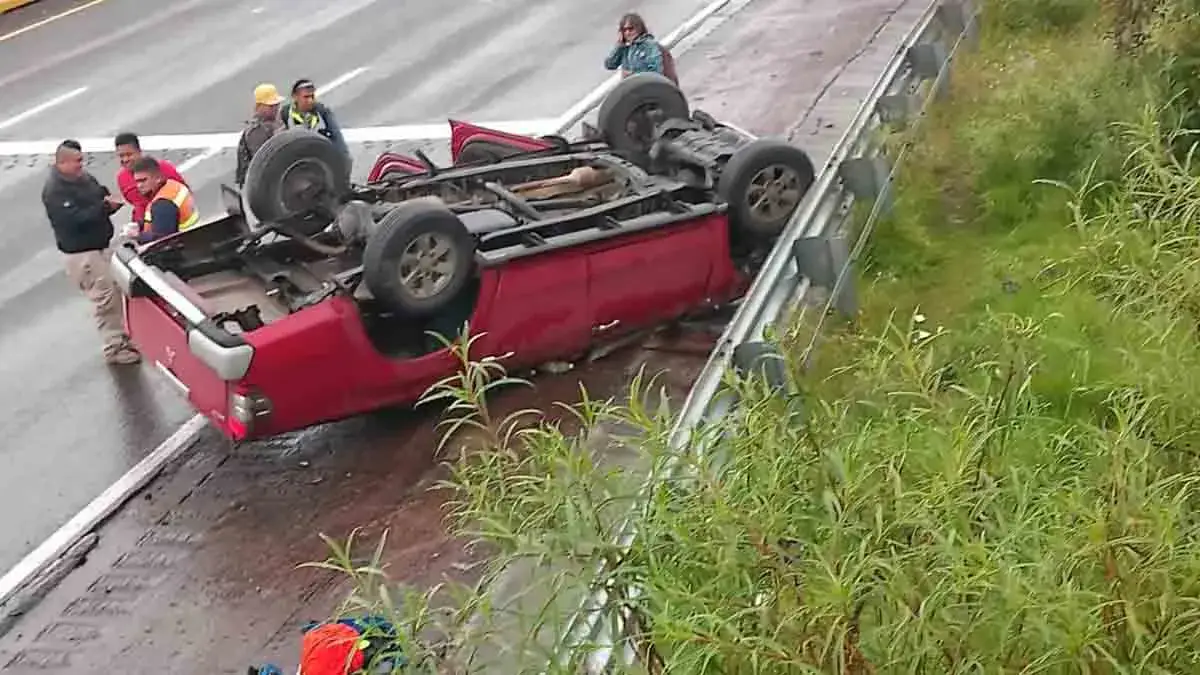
x=100, y=508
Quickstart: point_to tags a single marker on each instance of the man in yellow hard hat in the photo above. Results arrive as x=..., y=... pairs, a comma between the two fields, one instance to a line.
x=261, y=127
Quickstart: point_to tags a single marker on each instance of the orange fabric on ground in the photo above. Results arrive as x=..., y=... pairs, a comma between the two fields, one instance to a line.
x=331, y=649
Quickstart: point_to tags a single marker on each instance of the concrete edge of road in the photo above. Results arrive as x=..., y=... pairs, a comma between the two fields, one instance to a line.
x=7, y=5
x=35, y=565
x=100, y=508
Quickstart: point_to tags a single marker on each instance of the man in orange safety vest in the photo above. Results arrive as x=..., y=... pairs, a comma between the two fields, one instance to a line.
x=172, y=207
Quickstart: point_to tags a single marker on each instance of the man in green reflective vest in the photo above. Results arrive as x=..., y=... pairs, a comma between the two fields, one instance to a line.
x=305, y=112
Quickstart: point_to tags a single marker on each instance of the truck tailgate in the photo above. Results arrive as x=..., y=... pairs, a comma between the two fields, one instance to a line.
x=164, y=343
x=167, y=322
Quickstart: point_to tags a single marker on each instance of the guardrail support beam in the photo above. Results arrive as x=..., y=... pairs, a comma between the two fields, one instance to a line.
x=762, y=359
x=959, y=17
x=898, y=109
x=927, y=60
x=867, y=178
x=821, y=260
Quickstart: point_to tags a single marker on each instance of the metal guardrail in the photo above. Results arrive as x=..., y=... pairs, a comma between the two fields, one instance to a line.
x=812, y=252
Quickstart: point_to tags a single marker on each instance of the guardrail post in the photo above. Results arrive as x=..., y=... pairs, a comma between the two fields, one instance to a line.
x=867, y=177
x=822, y=260
x=762, y=359
x=897, y=109
x=961, y=18
x=927, y=59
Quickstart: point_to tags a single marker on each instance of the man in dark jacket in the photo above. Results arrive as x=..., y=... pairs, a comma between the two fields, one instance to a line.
x=79, y=209
x=305, y=112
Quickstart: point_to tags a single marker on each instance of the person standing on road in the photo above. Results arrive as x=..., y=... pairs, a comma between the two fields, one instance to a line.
x=80, y=212
x=172, y=207
x=637, y=51
x=261, y=127
x=129, y=150
x=305, y=112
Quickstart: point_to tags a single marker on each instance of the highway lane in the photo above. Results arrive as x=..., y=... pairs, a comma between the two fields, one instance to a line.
x=189, y=67
x=72, y=425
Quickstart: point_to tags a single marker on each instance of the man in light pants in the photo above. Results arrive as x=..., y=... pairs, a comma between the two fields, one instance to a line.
x=79, y=209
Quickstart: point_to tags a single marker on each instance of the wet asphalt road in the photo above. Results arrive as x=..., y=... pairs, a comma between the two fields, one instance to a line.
x=71, y=425
x=425, y=59
x=197, y=574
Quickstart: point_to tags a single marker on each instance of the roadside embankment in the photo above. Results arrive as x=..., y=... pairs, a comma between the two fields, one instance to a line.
x=994, y=467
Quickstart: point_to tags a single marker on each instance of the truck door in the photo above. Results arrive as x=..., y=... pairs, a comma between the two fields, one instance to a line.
x=538, y=310
x=639, y=280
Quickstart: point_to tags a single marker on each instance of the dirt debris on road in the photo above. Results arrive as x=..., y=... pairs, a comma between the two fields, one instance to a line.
x=198, y=575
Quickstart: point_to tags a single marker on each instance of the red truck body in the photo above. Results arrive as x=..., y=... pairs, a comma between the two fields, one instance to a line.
x=319, y=364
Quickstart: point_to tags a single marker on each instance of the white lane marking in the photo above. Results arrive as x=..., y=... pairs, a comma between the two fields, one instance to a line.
x=42, y=107
x=49, y=19
x=339, y=81
x=100, y=508
x=441, y=131
x=257, y=10
x=191, y=162
x=226, y=140
x=703, y=28
x=154, y=143
x=182, y=438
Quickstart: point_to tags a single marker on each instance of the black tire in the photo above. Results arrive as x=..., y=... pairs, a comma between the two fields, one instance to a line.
x=275, y=189
x=784, y=169
x=473, y=152
x=384, y=260
x=625, y=104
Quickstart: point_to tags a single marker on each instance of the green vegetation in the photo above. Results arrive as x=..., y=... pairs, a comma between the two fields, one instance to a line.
x=994, y=469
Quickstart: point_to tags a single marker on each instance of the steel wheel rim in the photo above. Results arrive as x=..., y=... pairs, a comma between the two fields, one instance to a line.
x=302, y=185
x=640, y=124
x=427, y=265
x=774, y=192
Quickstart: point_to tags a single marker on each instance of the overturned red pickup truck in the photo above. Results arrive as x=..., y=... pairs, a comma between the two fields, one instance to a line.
x=546, y=247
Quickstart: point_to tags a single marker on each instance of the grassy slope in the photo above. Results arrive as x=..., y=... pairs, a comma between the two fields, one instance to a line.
x=1016, y=490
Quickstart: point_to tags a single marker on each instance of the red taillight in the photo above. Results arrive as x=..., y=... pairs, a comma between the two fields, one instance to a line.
x=246, y=407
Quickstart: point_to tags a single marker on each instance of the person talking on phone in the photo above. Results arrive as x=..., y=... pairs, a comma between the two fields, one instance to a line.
x=637, y=50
